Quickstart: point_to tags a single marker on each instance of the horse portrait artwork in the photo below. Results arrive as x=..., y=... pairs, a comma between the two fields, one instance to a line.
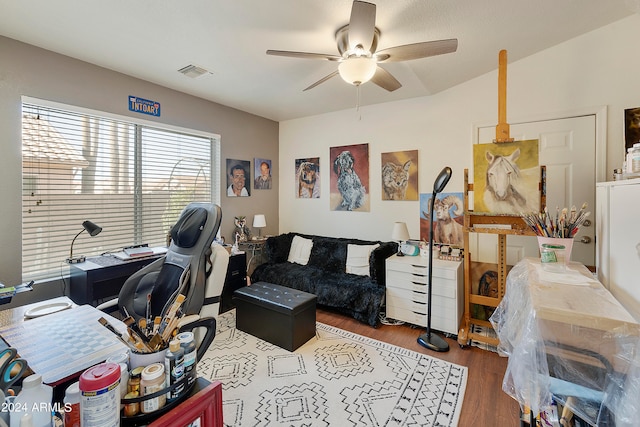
x=506, y=178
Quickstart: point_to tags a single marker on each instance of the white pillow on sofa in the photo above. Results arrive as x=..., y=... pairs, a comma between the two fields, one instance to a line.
x=300, y=250
x=358, y=258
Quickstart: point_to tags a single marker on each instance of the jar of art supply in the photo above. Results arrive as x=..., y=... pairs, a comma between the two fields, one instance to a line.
x=134, y=380
x=72, y=405
x=100, y=396
x=188, y=344
x=552, y=257
x=152, y=380
x=131, y=409
x=174, y=369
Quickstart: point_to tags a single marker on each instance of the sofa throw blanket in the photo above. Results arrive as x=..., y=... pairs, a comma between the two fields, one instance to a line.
x=325, y=274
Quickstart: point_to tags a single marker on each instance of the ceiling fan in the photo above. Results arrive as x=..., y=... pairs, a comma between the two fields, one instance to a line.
x=357, y=43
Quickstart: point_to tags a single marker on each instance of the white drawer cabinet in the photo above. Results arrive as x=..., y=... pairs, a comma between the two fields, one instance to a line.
x=407, y=292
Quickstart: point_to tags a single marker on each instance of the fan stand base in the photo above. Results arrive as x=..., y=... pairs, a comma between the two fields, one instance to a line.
x=433, y=342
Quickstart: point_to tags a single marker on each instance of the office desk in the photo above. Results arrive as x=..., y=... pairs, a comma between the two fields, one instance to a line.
x=567, y=332
x=102, y=277
x=61, y=345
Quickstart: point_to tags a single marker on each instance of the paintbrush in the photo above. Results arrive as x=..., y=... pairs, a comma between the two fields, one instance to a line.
x=110, y=327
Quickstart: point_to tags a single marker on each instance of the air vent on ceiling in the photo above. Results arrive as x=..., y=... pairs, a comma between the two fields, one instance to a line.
x=193, y=71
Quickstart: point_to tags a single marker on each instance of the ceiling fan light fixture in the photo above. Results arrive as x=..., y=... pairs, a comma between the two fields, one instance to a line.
x=356, y=70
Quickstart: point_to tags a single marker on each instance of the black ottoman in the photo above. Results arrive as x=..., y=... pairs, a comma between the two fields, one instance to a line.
x=282, y=316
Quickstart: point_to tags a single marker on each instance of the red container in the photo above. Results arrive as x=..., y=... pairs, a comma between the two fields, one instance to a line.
x=100, y=396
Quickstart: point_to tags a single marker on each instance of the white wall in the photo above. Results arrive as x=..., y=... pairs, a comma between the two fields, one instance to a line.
x=597, y=69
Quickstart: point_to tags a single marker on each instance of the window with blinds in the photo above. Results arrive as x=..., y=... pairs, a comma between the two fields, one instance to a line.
x=131, y=179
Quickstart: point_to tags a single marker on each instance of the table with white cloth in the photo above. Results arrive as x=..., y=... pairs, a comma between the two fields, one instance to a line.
x=566, y=337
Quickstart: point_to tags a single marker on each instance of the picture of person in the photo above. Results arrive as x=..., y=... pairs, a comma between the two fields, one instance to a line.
x=262, y=174
x=237, y=178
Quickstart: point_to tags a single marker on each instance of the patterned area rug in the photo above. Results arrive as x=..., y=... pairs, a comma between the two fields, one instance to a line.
x=336, y=379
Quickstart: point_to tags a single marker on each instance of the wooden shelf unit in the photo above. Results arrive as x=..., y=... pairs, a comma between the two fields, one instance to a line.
x=502, y=226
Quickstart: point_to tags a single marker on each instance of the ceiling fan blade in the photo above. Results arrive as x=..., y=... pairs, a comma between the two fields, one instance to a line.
x=385, y=80
x=417, y=50
x=322, y=80
x=305, y=55
x=362, y=25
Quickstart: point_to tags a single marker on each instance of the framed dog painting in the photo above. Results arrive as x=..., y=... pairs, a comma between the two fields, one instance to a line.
x=399, y=175
x=350, y=178
x=506, y=177
x=307, y=178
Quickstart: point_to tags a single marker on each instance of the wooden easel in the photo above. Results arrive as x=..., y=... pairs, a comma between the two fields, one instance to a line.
x=482, y=223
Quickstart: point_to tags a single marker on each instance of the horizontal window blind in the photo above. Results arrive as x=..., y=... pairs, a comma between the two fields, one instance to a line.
x=131, y=179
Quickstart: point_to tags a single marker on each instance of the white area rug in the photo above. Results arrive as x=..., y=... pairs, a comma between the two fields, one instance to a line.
x=336, y=379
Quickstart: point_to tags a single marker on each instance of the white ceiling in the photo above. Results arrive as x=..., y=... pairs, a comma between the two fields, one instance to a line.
x=152, y=39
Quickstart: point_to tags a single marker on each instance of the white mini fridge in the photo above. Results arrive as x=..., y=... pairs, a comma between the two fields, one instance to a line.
x=618, y=241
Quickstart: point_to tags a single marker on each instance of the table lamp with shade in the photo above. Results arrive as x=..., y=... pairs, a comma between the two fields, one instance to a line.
x=401, y=234
x=90, y=228
x=428, y=339
x=259, y=221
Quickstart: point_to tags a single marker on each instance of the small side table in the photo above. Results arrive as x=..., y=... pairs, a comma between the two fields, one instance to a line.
x=255, y=248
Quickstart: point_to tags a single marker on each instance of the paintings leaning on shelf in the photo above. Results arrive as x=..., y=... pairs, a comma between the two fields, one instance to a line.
x=399, y=175
x=448, y=211
x=506, y=177
x=307, y=178
x=350, y=178
x=484, y=282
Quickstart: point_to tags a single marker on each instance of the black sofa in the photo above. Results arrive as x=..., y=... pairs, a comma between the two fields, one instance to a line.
x=359, y=296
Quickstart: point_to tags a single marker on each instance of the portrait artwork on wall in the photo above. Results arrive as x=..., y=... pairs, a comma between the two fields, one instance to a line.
x=307, y=178
x=238, y=175
x=399, y=175
x=349, y=178
x=448, y=210
x=262, y=172
x=631, y=127
x=506, y=177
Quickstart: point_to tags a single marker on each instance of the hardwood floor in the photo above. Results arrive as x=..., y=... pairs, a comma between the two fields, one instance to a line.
x=485, y=404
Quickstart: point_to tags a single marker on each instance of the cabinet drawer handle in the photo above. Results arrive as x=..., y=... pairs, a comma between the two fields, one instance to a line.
x=419, y=283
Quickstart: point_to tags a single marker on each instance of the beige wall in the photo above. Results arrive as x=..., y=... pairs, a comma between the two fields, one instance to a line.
x=30, y=71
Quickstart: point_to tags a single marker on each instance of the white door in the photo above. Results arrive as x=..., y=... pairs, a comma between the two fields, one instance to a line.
x=568, y=150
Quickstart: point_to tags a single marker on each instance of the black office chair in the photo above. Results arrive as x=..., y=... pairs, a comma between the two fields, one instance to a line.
x=184, y=270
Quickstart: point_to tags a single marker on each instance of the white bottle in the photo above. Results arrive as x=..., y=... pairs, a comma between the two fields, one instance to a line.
x=26, y=421
x=635, y=156
x=628, y=162
x=36, y=399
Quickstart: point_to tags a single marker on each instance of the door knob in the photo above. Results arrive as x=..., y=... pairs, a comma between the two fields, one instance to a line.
x=585, y=239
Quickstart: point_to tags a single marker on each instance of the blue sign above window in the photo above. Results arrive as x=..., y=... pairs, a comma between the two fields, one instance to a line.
x=144, y=106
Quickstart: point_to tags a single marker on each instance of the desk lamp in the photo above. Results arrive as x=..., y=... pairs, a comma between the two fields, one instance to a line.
x=401, y=234
x=90, y=228
x=259, y=221
x=429, y=340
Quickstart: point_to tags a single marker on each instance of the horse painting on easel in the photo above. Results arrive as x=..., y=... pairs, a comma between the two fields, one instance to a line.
x=506, y=177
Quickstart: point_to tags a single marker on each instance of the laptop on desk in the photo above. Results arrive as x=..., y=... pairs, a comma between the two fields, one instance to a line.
x=139, y=252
